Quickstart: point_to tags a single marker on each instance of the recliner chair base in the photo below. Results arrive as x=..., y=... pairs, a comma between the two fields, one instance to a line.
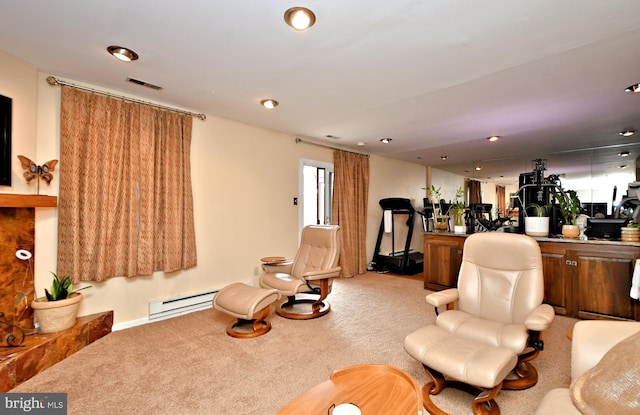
x=524, y=375
x=258, y=326
x=288, y=308
x=483, y=403
x=319, y=307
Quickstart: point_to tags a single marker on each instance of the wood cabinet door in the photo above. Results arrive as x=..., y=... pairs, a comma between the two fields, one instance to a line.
x=556, y=281
x=602, y=283
x=442, y=260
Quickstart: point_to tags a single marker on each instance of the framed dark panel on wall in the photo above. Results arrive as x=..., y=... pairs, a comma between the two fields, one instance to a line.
x=5, y=141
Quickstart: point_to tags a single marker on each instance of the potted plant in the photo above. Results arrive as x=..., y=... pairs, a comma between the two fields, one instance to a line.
x=536, y=221
x=58, y=309
x=456, y=211
x=440, y=219
x=569, y=205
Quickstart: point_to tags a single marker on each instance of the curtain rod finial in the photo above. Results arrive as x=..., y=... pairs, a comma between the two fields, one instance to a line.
x=51, y=80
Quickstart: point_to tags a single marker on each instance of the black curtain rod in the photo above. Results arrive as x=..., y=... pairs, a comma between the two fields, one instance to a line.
x=51, y=80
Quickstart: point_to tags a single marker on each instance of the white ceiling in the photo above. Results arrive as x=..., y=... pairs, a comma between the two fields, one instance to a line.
x=436, y=76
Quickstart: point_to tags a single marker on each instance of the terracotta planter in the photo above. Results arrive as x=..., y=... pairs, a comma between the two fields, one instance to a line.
x=630, y=234
x=536, y=225
x=54, y=316
x=570, y=231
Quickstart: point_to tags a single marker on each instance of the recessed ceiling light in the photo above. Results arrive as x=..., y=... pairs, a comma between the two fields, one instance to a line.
x=493, y=138
x=269, y=103
x=385, y=140
x=478, y=168
x=633, y=88
x=361, y=143
x=123, y=54
x=627, y=133
x=623, y=153
x=299, y=18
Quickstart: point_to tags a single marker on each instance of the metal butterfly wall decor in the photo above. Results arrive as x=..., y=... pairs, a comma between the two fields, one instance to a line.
x=33, y=171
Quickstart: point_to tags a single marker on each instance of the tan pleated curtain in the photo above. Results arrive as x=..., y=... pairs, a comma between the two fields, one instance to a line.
x=125, y=203
x=350, y=197
x=500, y=196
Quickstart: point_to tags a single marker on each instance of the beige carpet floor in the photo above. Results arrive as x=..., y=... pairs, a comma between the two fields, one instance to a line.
x=188, y=365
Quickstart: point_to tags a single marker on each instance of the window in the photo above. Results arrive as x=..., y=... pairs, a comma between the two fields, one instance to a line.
x=317, y=191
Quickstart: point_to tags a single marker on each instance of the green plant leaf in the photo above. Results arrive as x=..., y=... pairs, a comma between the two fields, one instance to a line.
x=569, y=205
x=60, y=288
x=539, y=210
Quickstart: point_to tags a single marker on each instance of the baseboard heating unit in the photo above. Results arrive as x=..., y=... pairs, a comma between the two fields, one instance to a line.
x=180, y=305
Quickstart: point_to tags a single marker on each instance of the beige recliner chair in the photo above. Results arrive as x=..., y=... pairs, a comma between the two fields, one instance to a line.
x=308, y=279
x=604, y=371
x=491, y=327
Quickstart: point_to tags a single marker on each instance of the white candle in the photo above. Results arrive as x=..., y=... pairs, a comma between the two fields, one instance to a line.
x=346, y=409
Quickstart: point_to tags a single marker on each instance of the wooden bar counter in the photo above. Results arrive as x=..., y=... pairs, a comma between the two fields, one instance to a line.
x=588, y=279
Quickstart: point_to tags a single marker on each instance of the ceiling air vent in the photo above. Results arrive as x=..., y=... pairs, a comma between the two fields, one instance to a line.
x=143, y=83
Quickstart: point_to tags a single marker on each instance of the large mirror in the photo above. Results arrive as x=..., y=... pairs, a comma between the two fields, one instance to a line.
x=599, y=175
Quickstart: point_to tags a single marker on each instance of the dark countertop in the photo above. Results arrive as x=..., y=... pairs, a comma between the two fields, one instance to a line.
x=591, y=241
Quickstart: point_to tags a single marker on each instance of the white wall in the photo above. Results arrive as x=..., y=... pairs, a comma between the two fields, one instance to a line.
x=449, y=183
x=18, y=81
x=488, y=190
x=600, y=189
x=393, y=178
x=244, y=181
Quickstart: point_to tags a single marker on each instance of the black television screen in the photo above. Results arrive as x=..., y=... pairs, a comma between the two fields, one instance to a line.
x=605, y=228
x=5, y=141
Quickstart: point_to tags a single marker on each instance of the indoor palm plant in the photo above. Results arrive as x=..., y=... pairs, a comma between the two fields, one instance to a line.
x=569, y=205
x=456, y=211
x=58, y=309
x=536, y=220
x=440, y=219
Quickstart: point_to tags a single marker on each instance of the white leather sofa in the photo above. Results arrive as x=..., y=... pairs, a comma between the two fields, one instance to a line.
x=591, y=340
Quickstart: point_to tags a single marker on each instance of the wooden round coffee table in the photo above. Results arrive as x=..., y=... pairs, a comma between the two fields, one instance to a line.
x=375, y=389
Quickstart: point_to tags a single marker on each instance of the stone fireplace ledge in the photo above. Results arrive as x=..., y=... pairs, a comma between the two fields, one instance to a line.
x=41, y=351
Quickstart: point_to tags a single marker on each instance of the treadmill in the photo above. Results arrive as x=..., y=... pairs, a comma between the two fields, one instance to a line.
x=405, y=261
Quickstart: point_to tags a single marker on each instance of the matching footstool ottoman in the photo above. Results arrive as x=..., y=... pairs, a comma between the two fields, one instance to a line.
x=460, y=363
x=250, y=305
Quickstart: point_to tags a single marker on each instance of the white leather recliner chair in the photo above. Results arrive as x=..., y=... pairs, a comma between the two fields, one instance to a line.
x=311, y=273
x=491, y=327
x=591, y=340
